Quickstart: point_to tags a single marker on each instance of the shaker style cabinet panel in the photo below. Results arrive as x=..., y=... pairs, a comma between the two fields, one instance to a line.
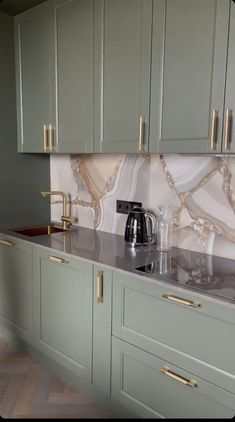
x=126, y=76
x=16, y=287
x=153, y=387
x=74, y=68
x=180, y=320
x=189, y=52
x=229, y=109
x=54, y=68
x=34, y=77
x=102, y=302
x=63, y=310
x=122, y=55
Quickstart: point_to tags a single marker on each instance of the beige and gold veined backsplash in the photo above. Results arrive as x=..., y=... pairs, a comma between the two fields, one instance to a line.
x=202, y=188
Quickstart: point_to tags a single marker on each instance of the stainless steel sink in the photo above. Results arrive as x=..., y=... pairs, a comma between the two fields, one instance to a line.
x=38, y=230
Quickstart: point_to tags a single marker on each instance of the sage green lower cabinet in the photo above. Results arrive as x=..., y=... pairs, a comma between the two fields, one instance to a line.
x=102, y=300
x=63, y=310
x=155, y=324
x=153, y=387
x=16, y=287
x=147, y=315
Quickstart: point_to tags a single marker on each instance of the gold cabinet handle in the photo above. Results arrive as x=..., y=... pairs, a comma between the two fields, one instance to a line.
x=191, y=383
x=228, y=129
x=176, y=299
x=214, y=129
x=141, y=133
x=51, y=138
x=45, y=138
x=57, y=259
x=6, y=242
x=100, y=287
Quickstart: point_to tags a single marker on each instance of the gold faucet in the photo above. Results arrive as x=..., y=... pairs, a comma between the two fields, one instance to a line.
x=66, y=219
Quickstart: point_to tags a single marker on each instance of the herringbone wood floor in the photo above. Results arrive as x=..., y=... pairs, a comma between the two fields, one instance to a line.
x=27, y=390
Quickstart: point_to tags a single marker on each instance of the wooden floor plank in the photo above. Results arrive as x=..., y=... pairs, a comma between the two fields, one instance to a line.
x=28, y=390
x=71, y=398
x=8, y=401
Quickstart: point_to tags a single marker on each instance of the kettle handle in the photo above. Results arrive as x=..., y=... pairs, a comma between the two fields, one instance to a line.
x=152, y=219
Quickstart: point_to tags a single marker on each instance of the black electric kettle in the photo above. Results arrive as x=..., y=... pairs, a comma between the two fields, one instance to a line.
x=140, y=227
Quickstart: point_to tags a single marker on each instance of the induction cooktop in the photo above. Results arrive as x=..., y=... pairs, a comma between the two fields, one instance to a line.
x=196, y=271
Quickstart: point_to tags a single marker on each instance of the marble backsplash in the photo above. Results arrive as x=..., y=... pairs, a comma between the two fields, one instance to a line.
x=202, y=188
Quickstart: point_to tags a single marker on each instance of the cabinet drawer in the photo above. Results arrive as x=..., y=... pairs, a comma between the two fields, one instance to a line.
x=139, y=384
x=144, y=317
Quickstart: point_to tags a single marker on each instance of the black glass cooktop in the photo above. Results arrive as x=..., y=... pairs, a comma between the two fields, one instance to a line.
x=193, y=270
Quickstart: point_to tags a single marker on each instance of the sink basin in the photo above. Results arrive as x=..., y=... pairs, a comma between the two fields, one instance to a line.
x=39, y=230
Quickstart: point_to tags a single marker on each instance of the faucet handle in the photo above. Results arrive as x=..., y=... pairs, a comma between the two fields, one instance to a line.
x=67, y=220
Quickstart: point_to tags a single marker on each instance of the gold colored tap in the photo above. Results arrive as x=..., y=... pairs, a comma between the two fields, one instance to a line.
x=66, y=219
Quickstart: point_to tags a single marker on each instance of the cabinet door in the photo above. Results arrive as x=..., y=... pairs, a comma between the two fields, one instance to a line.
x=229, y=111
x=123, y=48
x=34, y=76
x=188, y=75
x=74, y=75
x=102, y=330
x=63, y=310
x=16, y=287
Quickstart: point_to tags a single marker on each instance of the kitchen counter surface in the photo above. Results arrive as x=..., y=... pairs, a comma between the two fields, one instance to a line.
x=202, y=274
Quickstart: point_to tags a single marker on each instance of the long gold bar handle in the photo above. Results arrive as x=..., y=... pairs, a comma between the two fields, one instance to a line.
x=57, y=259
x=181, y=301
x=51, y=138
x=214, y=129
x=100, y=287
x=6, y=242
x=228, y=129
x=45, y=137
x=46, y=133
x=191, y=383
x=141, y=134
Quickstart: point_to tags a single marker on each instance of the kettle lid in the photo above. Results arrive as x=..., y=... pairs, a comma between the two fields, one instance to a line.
x=138, y=210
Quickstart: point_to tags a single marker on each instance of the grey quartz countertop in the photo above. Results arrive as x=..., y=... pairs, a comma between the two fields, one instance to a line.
x=202, y=274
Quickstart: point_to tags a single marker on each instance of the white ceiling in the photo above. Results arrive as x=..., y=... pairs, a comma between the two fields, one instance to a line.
x=13, y=7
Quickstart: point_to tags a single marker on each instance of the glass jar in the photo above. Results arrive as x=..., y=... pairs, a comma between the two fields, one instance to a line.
x=164, y=228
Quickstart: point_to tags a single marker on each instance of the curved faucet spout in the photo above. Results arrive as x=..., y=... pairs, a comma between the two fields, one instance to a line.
x=66, y=219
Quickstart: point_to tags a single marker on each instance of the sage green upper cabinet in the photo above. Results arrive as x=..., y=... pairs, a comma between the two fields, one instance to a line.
x=122, y=55
x=34, y=77
x=63, y=310
x=55, y=72
x=16, y=287
x=74, y=21
x=229, y=110
x=188, y=75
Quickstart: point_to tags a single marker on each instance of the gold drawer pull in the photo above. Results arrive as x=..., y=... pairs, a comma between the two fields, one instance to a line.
x=51, y=138
x=100, y=287
x=228, y=130
x=191, y=383
x=181, y=301
x=6, y=242
x=214, y=129
x=141, y=134
x=45, y=138
x=56, y=259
